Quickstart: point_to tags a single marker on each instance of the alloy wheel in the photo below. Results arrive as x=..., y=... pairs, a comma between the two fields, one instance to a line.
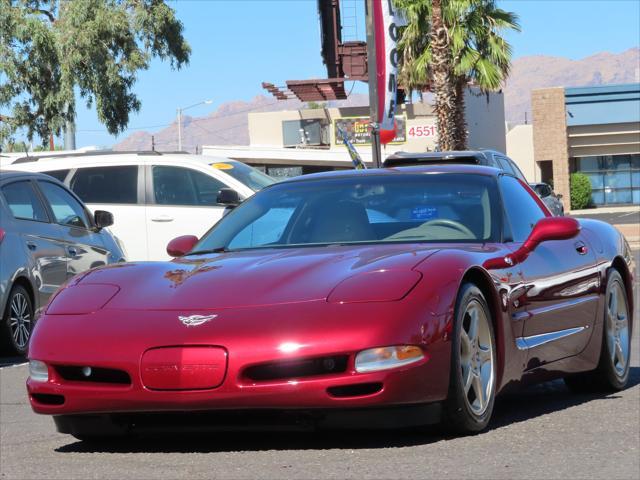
x=20, y=320
x=476, y=358
x=617, y=327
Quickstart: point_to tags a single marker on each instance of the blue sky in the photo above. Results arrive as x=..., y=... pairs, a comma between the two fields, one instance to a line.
x=237, y=44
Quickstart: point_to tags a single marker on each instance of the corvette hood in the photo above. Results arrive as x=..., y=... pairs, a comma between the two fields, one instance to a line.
x=250, y=278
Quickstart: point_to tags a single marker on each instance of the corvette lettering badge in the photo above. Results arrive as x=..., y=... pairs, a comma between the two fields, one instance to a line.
x=195, y=320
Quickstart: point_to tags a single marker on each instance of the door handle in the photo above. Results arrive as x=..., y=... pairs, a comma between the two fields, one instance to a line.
x=31, y=246
x=581, y=248
x=72, y=251
x=162, y=218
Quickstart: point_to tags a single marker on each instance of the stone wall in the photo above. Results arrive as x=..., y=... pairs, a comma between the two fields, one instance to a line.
x=550, y=137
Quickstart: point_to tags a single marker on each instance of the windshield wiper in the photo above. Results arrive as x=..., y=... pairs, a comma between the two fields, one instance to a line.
x=212, y=250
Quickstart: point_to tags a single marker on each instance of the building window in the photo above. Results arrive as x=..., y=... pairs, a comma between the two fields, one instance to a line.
x=305, y=133
x=615, y=179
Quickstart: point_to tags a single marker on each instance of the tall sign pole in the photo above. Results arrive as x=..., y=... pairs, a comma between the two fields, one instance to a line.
x=373, y=84
x=383, y=22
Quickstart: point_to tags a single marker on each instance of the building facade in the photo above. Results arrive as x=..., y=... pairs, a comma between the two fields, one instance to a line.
x=593, y=130
x=295, y=142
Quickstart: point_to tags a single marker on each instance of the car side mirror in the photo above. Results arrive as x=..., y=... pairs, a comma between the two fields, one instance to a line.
x=180, y=246
x=228, y=197
x=102, y=218
x=547, y=229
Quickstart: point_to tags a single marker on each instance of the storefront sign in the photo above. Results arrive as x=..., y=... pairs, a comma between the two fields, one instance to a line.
x=358, y=130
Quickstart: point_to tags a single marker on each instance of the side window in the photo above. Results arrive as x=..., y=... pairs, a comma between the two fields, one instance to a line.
x=521, y=209
x=23, y=201
x=516, y=170
x=117, y=184
x=207, y=188
x=491, y=161
x=183, y=186
x=58, y=174
x=66, y=209
x=504, y=164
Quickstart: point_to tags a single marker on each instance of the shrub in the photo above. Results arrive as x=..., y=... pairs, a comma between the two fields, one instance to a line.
x=580, y=191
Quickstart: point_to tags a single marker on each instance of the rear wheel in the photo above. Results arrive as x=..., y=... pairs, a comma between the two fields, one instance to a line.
x=17, y=321
x=612, y=372
x=472, y=383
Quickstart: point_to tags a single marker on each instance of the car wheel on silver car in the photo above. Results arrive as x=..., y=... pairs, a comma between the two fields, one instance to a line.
x=612, y=372
x=472, y=386
x=17, y=321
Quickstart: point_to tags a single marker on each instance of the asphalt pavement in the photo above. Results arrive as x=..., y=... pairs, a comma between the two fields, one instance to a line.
x=542, y=432
x=614, y=218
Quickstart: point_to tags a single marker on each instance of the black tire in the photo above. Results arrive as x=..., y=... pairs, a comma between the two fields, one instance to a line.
x=606, y=377
x=459, y=416
x=17, y=322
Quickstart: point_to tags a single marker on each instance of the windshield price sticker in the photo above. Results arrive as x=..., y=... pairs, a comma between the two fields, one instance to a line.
x=424, y=213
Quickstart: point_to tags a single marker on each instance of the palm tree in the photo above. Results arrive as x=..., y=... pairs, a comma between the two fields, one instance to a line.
x=478, y=53
x=482, y=57
x=442, y=73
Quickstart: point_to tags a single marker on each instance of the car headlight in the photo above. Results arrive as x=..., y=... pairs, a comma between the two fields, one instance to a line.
x=384, y=358
x=38, y=371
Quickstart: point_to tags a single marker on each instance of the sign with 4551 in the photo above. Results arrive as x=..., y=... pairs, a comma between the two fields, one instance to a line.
x=422, y=131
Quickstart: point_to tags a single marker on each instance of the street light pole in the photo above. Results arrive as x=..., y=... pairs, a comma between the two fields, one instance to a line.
x=180, y=110
x=179, y=129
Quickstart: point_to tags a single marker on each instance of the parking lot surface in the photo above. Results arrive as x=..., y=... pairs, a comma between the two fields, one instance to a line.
x=542, y=432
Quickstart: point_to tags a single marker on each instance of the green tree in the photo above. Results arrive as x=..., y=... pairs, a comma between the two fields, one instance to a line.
x=479, y=54
x=50, y=50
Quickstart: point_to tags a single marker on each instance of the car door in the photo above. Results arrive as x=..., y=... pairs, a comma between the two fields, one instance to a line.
x=84, y=246
x=42, y=240
x=560, y=282
x=118, y=189
x=183, y=202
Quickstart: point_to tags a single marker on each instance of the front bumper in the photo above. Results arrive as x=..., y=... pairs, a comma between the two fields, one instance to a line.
x=116, y=342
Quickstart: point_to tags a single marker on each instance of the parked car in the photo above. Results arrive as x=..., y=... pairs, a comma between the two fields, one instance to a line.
x=489, y=158
x=301, y=307
x=154, y=196
x=46, y=237
x=552, y=200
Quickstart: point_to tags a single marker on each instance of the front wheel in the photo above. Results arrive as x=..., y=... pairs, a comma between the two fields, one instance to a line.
x=612, y=372
x=472, y=384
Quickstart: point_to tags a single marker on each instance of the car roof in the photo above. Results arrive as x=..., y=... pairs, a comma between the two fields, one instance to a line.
x=110, y=156
x=415, y=169
x=11, y=174
x=400, y=158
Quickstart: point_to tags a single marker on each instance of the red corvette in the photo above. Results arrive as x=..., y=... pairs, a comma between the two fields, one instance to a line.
x=381, y=298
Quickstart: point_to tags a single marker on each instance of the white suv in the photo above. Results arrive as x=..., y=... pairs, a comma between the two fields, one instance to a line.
x=154, y=197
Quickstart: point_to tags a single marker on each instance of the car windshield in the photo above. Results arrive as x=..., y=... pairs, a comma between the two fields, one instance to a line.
x=362, y=209
x=251, y=177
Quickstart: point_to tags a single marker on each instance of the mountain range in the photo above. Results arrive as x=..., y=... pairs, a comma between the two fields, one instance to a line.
x=228, y=125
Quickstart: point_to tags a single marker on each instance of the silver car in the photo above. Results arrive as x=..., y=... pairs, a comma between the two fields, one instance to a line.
x=552, y=200
x=47, y=236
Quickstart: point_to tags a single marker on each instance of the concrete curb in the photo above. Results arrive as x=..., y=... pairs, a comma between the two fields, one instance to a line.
x=588, y=211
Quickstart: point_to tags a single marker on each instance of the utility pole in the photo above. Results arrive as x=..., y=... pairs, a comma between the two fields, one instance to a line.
x=180, y=110
x=373, y=86
x=179, y=129
x=69, y=135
